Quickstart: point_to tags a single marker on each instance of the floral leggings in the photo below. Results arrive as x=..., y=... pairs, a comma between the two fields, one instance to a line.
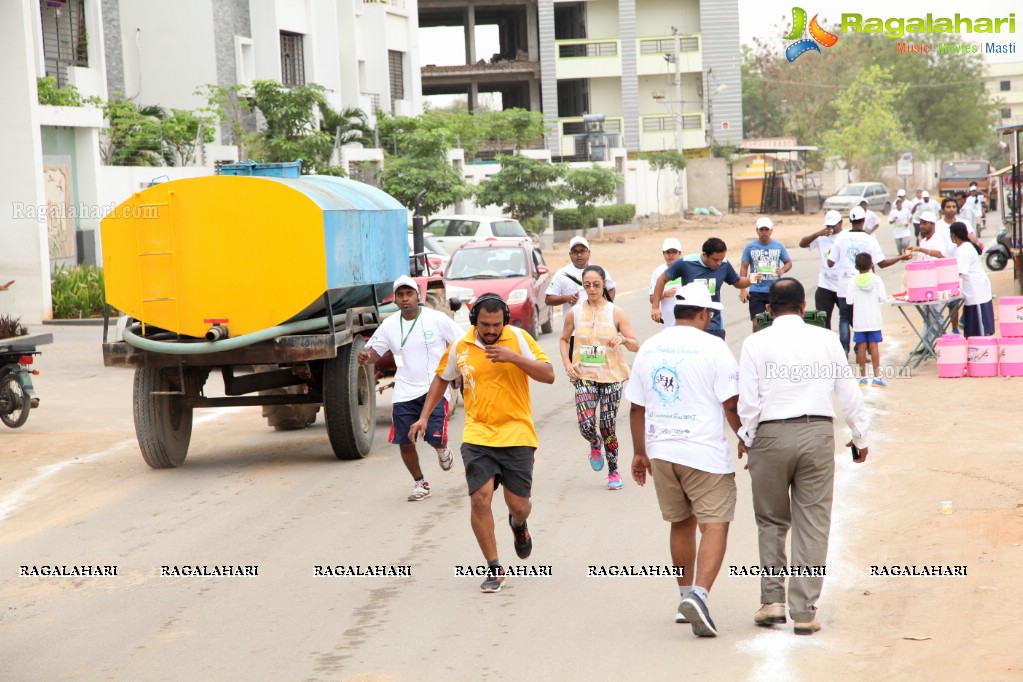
x=587, y=395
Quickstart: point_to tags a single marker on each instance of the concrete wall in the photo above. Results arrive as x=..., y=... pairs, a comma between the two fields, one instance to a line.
x=707, y=183
x=656, y=17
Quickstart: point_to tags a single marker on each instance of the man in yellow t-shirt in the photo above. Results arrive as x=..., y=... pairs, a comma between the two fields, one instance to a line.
x=496, y=362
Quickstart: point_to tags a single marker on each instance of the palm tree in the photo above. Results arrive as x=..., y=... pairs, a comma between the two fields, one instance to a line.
x=348, y=125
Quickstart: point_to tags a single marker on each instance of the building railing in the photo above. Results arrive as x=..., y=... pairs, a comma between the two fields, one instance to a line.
x=572, y=49
x=666, y=44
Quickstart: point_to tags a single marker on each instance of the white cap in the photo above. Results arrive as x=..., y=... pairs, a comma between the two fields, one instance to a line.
x=901, y=193
x=578, y=240
x=671, y=243
x=696, y=294
x=864, y=202
x=973, y=185
x=926, y=194
x=765, y=222
x=927, y=217
x=857, y=213
x=406, y=281
x=832, y=218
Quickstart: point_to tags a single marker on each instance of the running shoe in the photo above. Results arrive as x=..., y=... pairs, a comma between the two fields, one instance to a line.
x=614, y=481
x=878, y=383
x=696, y=612
x=420, y=491
x=863, y=382
x=523, y=541
x=495, y=580
x=681, y=617
x=596, y=459
x=445, y=458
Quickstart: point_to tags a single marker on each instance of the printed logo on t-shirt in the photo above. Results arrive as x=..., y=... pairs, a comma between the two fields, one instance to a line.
x=665, y=381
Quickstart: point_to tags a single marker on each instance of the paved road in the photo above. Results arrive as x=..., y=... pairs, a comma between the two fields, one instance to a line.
x=74, y=490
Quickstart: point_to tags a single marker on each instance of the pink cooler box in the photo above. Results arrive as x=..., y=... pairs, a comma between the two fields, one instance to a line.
x=982, y=356
x=922, y=280
x=1010, y=315
x=948, y=275
x=1010, y=356
x=952, y=354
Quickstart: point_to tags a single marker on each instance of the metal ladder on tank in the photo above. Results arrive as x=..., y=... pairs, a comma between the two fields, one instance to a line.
x=142, y=256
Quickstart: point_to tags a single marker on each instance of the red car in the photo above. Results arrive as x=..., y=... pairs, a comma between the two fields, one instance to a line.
x=512, y=269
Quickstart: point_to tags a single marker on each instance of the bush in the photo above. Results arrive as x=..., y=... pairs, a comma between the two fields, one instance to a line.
x=11, y=326
x=77, y=292
x=535, y=224
x=574, y=219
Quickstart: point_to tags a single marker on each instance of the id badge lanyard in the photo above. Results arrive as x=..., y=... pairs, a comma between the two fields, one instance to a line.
x=399, y=359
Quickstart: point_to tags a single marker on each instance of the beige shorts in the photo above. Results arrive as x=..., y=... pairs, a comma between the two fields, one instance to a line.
x=683, y=491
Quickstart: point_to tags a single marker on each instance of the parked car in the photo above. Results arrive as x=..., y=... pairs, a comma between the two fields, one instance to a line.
x=515, y=270
x=455, y=230
x=875, y=193
x=436, y=255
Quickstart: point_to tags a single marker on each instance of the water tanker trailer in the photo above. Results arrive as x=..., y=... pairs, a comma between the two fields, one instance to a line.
x=272, y=282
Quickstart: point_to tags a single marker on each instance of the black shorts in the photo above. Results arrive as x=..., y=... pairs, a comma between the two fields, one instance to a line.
x=405, y=414
x=512, y=466
x=758, y=301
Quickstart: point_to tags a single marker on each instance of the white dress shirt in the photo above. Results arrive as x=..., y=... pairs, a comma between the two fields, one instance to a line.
x=791, y=369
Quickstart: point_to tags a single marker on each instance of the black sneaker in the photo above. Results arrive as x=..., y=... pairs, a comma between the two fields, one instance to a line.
x=523, y=542
x=495, y=580
x=696, y=612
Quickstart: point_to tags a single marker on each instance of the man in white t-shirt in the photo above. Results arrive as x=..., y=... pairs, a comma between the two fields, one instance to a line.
x=925, y=204
x=899, y=218
x=417, y=338
x=843, y=257
x=870, y=221
x=950, y=214
x=671, y=249
x=821, y=241
x=684, y=385
x=933, y=244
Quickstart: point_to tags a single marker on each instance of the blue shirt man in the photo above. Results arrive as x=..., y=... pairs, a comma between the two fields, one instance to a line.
x=765, y=259
x=708, y=268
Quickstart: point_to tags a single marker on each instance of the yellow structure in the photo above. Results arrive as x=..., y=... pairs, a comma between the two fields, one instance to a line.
x=250, y=253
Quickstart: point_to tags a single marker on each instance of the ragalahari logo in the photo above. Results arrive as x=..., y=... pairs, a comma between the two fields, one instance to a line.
x=817, y=35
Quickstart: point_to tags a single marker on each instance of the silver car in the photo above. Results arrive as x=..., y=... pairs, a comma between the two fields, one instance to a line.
x=875, y=193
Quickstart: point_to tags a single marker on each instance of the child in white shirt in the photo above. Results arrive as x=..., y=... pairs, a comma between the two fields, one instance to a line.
x=866, y=292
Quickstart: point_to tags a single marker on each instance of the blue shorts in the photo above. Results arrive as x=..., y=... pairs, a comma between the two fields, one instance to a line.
x=867, y=337
x=404, y=415
x=758, y=301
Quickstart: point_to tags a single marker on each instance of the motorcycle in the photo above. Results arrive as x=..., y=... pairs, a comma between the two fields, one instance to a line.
x=17, y=394
x=997, y=253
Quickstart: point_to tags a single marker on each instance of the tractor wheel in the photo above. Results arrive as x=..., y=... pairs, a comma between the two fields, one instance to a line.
x=349, y=402
x=163, y=424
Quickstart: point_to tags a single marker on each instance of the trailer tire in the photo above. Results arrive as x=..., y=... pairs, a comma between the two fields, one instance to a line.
x=349, y=402
x=288, y=417
x=163, y=424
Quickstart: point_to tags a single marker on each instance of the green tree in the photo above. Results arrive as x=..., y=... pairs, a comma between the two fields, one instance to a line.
x=133, y=135
x=348, y=125
x=587, y=186
x=423, y=165
x=181, y=132
x=668, y=158
x=290, y=130
x=523, y=188
x=230, y=105
x=867, y=129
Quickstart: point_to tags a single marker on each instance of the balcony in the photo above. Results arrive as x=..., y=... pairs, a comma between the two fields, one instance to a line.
x=657, y=132
x=600, y=58
x=651, y=52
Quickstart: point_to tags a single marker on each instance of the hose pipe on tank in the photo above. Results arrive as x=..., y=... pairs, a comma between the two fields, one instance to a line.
x=132, y=338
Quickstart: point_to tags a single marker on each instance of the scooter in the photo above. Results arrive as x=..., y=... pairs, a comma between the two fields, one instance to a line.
x=17, y=394
x=998, y=253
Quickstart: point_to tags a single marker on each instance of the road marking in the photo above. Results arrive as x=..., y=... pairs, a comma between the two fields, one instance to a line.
x=13, y=500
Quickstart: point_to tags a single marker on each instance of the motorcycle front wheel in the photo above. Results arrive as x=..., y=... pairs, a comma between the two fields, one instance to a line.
x=14, y=404
x=996, y=260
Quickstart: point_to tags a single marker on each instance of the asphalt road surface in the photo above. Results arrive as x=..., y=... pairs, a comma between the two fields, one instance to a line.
x=75, y=491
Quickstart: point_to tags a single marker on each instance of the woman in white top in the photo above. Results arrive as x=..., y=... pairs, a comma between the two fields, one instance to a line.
x=597, y=368
x=978, y=317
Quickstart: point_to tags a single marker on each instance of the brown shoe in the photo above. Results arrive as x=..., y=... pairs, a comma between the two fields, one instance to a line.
x=770, y=614
x=807, y=628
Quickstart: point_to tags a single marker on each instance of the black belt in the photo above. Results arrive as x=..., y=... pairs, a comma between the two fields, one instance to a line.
x=805, y=419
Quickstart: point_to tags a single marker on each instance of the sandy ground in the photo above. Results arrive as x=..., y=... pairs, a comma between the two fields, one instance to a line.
x=933, y=440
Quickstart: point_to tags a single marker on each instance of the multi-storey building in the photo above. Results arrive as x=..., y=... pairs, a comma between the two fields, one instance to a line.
x=1004, y=82
x=618, y=58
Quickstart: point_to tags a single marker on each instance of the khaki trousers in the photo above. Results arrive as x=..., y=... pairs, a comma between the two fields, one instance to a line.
x=792, y=470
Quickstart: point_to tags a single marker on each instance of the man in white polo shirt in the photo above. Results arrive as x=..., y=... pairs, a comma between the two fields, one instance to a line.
x=684, y=386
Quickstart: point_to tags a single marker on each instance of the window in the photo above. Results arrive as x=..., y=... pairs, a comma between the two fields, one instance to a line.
x=64, y=40
x=1004, y=86
x=1006, y=113
x=396, y=69
x=292, y=59
x=508, y=228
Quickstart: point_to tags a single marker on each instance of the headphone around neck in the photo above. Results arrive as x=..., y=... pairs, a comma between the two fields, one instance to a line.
x=475, y=310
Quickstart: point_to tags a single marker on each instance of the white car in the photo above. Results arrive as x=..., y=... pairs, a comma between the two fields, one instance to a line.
x=454, y=230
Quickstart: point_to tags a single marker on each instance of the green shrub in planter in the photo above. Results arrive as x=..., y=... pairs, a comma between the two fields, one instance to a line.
x=567, y=219
x=77, y=292
x=617, y=214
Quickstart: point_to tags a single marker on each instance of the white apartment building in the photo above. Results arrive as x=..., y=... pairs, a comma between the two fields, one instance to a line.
x=53, y=187
x=1004, y=81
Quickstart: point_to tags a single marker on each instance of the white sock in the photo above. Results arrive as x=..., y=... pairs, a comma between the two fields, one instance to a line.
x=701, y=592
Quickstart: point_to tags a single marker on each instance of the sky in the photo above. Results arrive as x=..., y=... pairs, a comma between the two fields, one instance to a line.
x=769, y=19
